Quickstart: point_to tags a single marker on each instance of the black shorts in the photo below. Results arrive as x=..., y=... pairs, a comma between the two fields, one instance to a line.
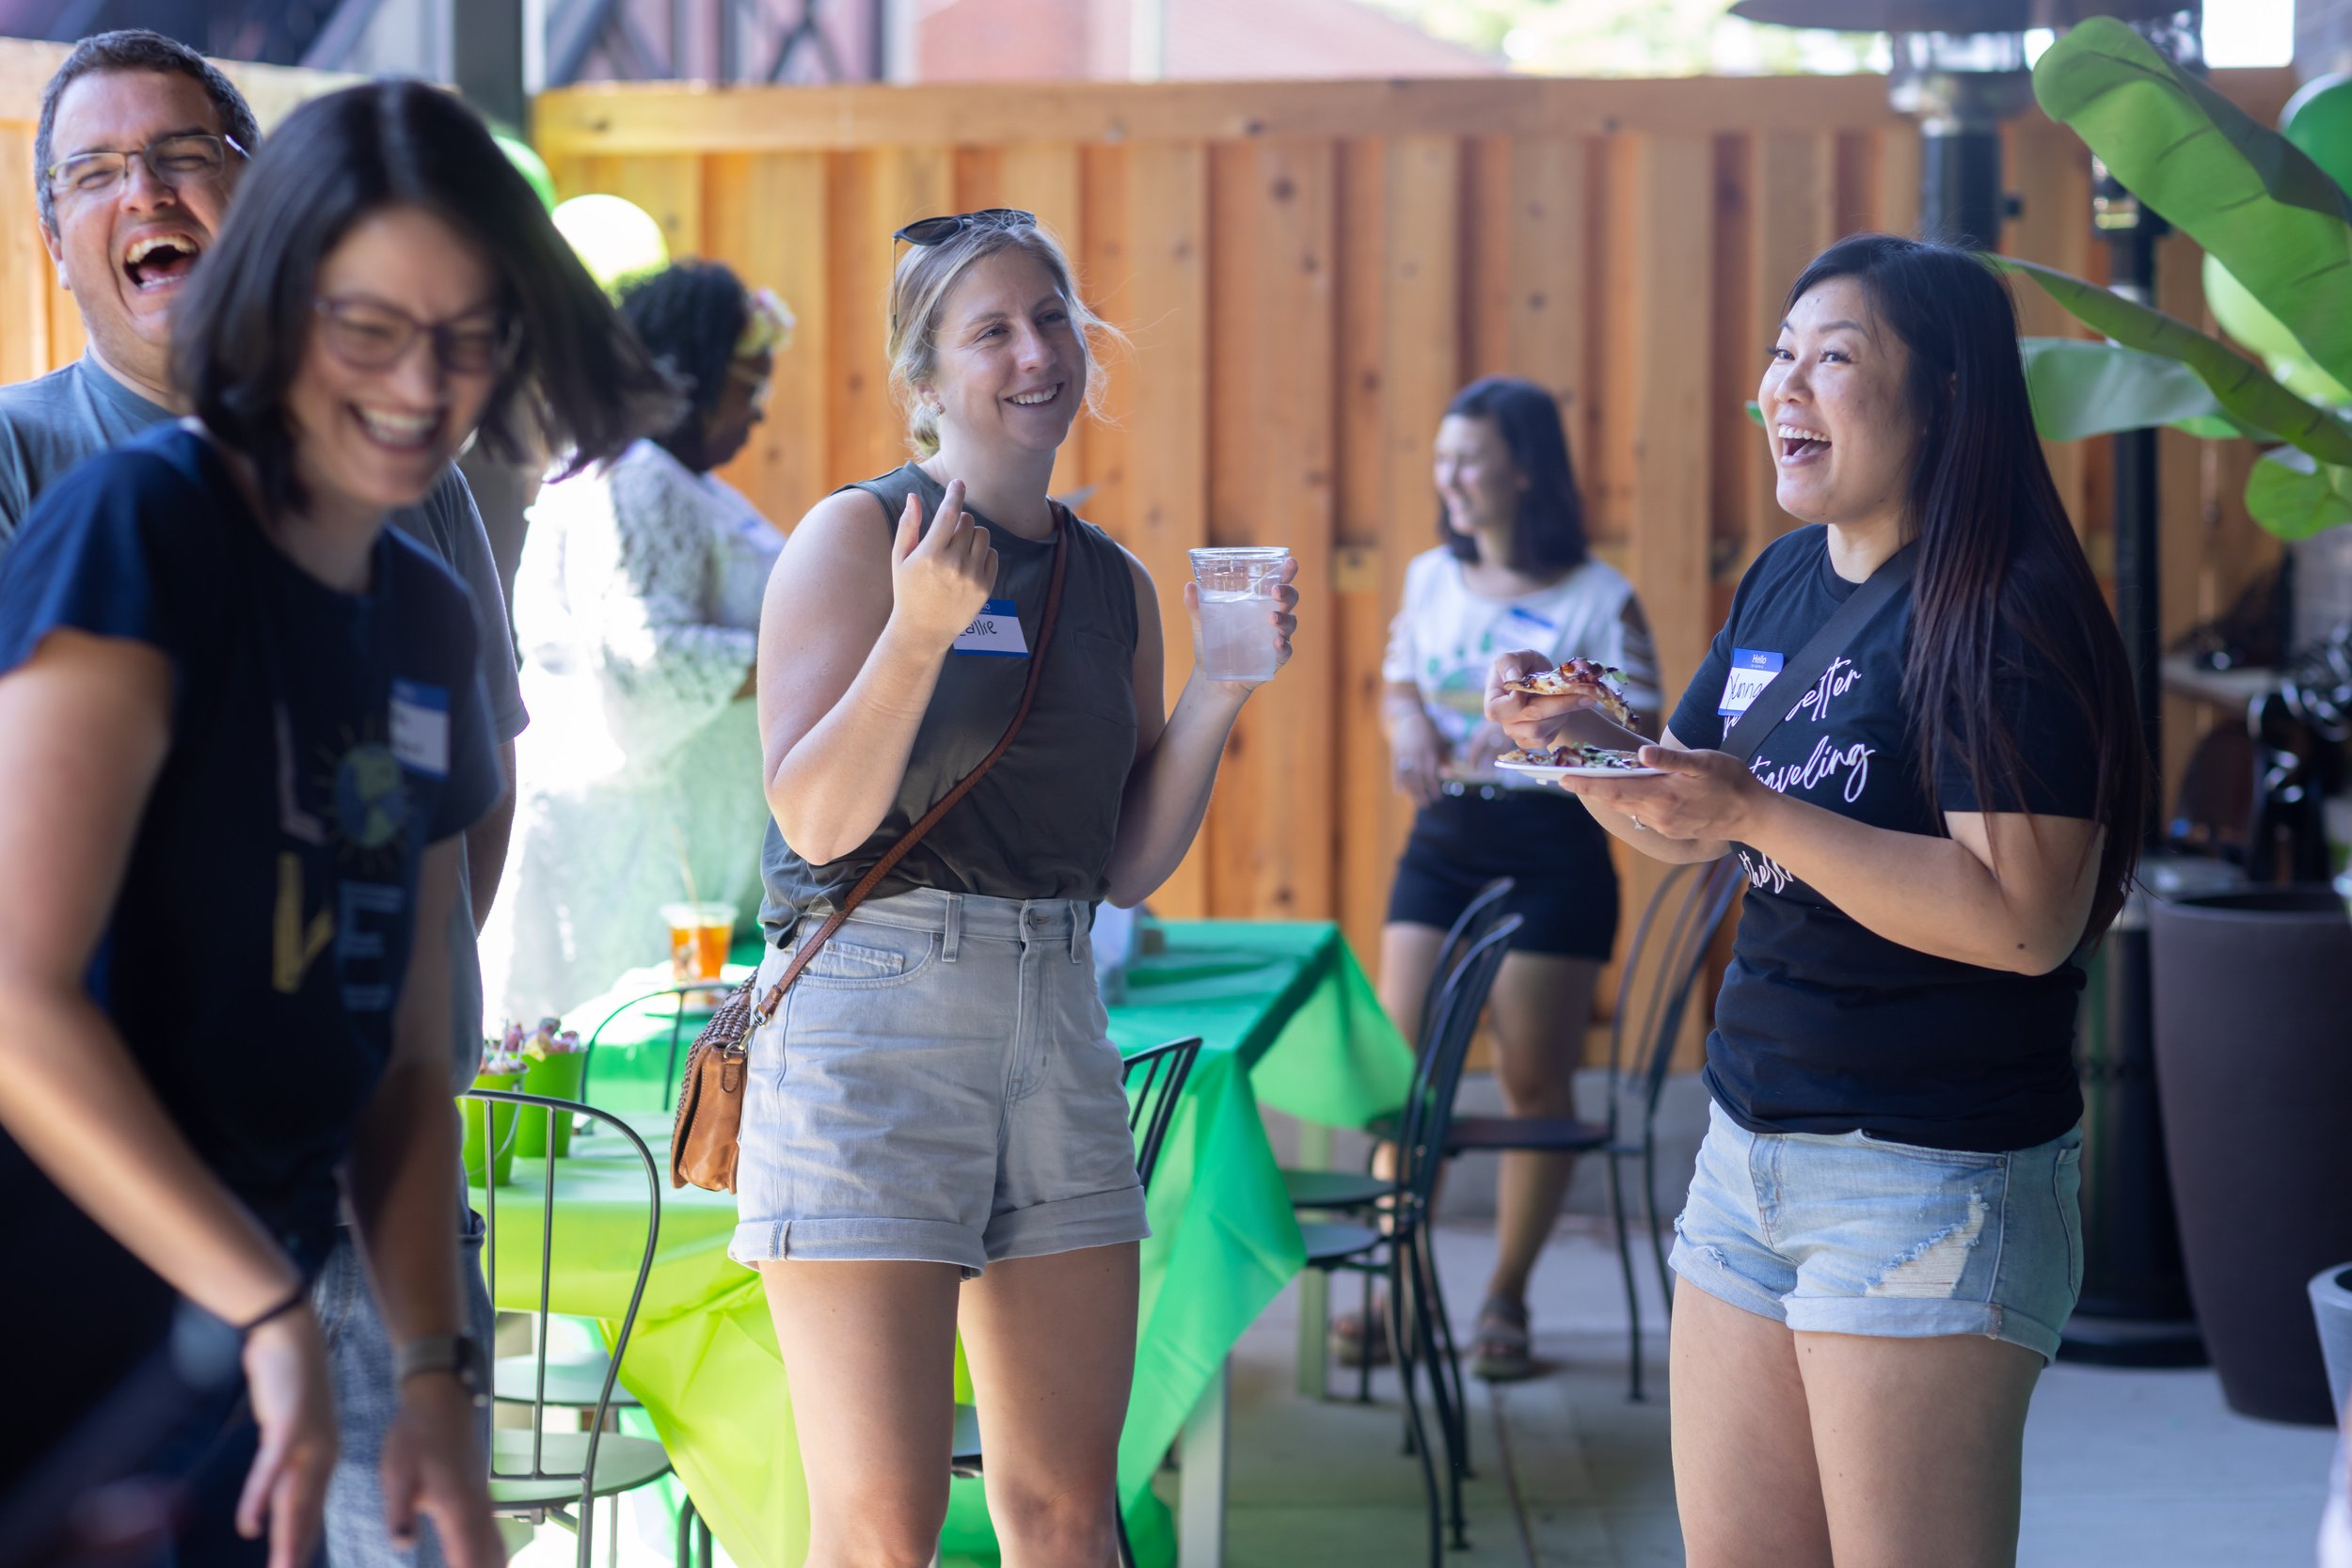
x=1546, y=839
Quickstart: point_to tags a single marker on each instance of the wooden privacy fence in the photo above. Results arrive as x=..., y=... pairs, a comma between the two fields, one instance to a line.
x=1306, y=274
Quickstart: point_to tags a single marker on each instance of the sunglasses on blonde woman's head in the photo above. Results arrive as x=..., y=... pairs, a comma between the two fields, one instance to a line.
x=939, y=230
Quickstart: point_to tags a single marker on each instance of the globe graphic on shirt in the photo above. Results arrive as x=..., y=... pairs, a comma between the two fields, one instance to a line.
x=370, y=796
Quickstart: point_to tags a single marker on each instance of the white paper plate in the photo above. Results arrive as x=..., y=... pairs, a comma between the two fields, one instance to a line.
x=1539, y=771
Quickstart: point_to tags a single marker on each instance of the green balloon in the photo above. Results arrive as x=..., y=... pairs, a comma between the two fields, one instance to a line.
x=616, y=239
x=2319, y=119
x=532, y=167
x=2244, y=317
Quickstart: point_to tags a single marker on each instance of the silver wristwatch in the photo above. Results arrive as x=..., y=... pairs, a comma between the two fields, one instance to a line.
x=461, y=1355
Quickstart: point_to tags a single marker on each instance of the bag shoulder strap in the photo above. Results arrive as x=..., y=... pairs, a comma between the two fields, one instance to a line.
x=1064, y=524
x=1745, y=734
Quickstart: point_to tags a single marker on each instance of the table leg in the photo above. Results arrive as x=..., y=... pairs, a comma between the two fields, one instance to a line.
x=1314, y=1286
x=1202, y=1455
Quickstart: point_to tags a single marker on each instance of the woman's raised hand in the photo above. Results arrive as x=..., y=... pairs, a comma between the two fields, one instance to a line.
x=940, y=578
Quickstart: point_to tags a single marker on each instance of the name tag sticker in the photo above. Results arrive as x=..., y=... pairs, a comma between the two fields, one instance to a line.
x=421, y=727
x=1752, y=670
x=1529, y=618
x=995, y=630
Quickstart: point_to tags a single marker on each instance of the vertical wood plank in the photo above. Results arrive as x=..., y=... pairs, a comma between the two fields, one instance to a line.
x=1550, y=244
x=1378, y=529
x=1162, y=403
x=1794, y=179
x=1669, y=306
x=1740, y=326
x=871, y=194
x=669, y=186
x=767, y=218
x=1489, y=256
x=2053, y=227
x=26, y=277
x=1271, y=482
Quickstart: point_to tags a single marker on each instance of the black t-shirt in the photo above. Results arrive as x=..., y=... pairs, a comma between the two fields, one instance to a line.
x=319, y=742
x=1824, y=1026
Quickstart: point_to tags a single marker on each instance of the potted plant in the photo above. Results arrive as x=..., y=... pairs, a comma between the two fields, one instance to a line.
x=2254, y=1036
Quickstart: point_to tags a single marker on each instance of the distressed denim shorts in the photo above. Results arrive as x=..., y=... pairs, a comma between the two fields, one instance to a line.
x=938, y=1087
x=1852, y=1234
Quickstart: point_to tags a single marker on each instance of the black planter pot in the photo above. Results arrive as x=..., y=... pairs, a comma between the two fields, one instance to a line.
x=2253, y=1034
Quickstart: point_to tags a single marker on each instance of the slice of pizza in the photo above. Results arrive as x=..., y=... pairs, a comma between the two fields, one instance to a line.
x=1578, y=677
x=1575, y=757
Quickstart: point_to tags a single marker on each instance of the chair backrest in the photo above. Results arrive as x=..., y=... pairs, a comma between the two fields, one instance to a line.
x=677, y=992
x=1438, y=1072
x=1681, y=920
x=488, y=1197
x=1155, y=1079
x=1477, y=918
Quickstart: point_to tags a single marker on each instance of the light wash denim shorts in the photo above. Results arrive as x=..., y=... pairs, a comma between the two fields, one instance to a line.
x=938, y=1087
x=1853, y=1234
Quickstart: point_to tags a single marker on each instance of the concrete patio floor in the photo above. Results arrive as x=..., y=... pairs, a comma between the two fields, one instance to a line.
x=2145, y=1469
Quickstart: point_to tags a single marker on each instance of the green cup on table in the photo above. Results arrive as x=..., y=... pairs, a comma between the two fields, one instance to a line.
x=490, y=1125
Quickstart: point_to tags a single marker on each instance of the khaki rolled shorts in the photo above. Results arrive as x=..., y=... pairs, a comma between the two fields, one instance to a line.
x=938, y=1087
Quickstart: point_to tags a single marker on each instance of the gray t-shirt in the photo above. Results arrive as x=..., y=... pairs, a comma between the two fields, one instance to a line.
x=49, y=423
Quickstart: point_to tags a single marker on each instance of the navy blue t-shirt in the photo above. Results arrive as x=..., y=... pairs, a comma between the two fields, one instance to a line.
x=319, y=741
x=1824, y=1026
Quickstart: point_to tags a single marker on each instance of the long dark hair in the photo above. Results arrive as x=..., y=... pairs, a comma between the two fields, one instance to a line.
x=1548, y=534
x=579, y=380
x=1999, y=563
x=689, y=316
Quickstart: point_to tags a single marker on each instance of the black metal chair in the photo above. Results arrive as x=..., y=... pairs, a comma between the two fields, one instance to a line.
x=536, y=1473
x=1692, y=901
x=1342, y=1190
x=1156, y=1080
x=1397, y=1246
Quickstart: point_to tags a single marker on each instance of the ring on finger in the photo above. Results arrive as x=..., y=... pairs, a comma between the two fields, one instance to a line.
x=1636, y=821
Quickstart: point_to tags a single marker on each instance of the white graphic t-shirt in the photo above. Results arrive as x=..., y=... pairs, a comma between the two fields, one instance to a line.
x=1445, y=639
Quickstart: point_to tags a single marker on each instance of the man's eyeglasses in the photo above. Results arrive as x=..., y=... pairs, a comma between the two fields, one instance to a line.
x=174, y=161
x=939, y=230
x=368, y=335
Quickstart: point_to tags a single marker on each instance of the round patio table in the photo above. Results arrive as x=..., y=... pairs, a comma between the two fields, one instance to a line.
x=1286, y=1018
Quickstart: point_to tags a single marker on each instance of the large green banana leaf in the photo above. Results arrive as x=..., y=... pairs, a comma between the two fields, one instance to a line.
x=2244, y=391
x=2081, y=388
x=2294, y=495
x=2246, y=194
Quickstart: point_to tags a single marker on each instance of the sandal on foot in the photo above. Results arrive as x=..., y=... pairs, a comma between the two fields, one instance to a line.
x=1504, y=1350
x=1354, y=1337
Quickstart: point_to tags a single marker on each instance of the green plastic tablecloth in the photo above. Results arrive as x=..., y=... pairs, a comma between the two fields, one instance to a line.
x=1286, y=1018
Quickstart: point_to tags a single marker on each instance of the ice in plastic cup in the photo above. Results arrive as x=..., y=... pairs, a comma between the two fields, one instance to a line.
x=700, y=935
x=1237, y=604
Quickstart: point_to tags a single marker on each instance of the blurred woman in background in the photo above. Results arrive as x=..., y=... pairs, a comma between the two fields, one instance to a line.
x=637, y=605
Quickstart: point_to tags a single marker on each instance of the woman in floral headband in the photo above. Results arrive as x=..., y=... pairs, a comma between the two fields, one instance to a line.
x=637, y=604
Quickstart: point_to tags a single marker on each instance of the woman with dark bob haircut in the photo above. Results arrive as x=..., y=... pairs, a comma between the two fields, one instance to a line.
x=1883, y=1230
x=1511, y=571
x=240, y=730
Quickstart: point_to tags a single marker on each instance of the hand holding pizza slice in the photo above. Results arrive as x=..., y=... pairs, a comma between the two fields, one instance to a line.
x=1578, y=677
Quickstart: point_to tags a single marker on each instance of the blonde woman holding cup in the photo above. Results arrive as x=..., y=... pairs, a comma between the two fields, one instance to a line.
x=935, y=1135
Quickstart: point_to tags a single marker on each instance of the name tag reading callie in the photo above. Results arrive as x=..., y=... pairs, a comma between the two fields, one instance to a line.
x=1751, y=671
x=995, y=630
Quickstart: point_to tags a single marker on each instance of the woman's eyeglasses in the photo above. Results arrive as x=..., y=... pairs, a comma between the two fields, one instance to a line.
x=369, y=334
x=939, y=230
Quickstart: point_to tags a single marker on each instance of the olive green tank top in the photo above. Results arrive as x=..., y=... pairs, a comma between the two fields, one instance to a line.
x=1040, y=824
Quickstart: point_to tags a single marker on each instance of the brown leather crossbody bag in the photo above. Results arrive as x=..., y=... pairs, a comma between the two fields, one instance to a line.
x=708, y=1132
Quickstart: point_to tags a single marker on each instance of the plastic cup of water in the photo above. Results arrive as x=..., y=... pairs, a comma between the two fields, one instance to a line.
x=1237, y=606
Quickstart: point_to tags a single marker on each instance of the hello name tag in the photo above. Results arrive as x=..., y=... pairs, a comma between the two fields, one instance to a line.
x=995, y=631
x=421, y=727
x=1752, y=670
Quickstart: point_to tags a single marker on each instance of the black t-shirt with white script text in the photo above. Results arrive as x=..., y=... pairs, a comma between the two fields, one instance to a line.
x=1822, y=1025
